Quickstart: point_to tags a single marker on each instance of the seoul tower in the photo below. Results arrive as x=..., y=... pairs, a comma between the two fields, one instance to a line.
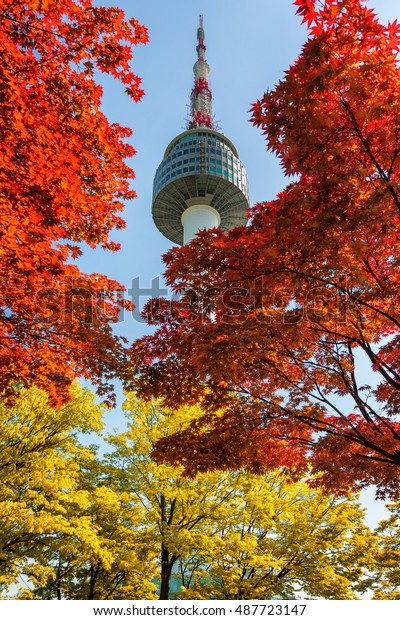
x=200, y=183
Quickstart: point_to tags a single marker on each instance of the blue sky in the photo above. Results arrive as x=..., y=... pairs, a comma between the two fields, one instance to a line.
x=249, y=46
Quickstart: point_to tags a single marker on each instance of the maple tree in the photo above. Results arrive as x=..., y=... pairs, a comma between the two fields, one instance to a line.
x=291, y=323
x=63, y=181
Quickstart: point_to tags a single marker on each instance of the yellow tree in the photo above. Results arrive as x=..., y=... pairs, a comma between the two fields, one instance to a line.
x=175, y=508
x=385, y=581
x=236, y=535
x=112, y=562
x=281, y=538
x=38, y=452
x=78, y=527
x=60, y=527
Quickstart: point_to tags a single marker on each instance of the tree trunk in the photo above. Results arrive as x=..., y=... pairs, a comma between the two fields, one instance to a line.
x=166, y=570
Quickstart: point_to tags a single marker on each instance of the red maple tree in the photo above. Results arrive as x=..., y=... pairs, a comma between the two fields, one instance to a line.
x=292, y=323
x=63, y=180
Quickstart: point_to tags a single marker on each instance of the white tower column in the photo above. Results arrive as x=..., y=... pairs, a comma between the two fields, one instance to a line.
x=198, y=217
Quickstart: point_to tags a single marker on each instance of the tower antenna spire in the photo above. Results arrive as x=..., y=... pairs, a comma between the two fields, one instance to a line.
x=201, y=96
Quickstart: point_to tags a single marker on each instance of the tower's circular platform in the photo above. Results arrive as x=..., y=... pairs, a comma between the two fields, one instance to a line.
x=199, y=165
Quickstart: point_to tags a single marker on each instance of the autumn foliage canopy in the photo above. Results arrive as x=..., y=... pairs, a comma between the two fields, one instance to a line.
x=292, y=323
x=63, y=180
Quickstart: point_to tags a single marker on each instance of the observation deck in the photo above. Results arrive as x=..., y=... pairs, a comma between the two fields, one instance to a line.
x=200, y=169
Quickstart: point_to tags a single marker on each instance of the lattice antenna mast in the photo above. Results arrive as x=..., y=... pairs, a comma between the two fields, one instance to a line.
x=201, y=97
